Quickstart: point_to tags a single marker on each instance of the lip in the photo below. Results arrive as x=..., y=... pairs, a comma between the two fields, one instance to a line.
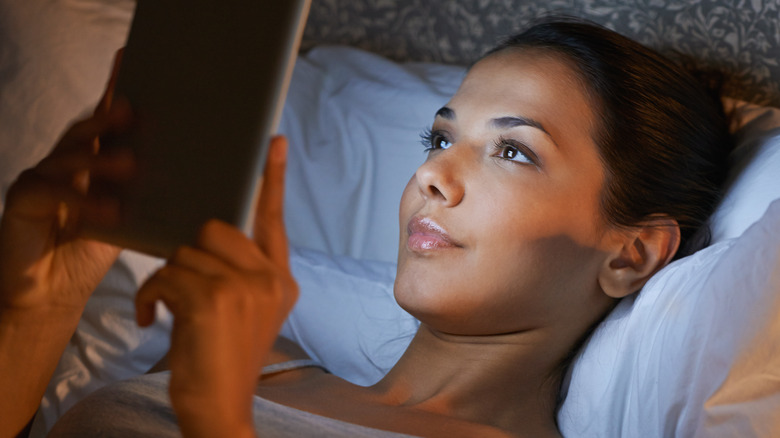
x=426, y=235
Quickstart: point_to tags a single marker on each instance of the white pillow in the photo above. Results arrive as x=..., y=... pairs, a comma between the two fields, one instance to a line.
x=695, y=353
x=346, y=317
x=354, y=121
x=108, y=345
x=755, y=175
x=55, y=57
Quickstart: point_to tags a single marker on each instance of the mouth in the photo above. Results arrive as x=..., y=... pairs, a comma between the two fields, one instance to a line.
x=427, y=235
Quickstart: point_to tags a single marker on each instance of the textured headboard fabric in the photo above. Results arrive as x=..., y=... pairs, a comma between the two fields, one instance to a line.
x=738, y=37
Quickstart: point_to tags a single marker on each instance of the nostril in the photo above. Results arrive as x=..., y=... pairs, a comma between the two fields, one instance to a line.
x=439, y=178
x=435, y=192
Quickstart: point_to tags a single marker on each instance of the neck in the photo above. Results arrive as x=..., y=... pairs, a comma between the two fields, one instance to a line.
x=505, y=381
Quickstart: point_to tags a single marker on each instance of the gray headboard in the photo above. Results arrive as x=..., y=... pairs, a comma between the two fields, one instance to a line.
x=739, y=37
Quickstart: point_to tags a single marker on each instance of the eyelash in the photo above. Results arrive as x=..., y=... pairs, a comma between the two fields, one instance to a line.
x=428, y=137
x=501, y=144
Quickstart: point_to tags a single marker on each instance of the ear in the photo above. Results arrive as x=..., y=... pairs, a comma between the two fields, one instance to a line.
x=640, y=253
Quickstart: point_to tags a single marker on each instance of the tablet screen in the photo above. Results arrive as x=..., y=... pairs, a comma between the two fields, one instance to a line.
x=206, y=80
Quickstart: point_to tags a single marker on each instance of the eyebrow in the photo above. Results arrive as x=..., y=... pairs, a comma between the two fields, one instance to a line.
x=500, y=122
x=446, y=113
x=514, y=121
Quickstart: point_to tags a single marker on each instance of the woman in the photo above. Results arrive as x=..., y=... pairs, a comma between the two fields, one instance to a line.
x=568, y=168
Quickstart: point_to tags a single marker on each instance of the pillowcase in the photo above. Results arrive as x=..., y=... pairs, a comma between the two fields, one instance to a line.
x=346, y=317
x=754, y=180
x=108, y=345
x=55, y=58
x=695, y=353
x=354, y=121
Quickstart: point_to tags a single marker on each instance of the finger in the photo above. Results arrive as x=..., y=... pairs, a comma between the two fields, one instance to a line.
x=99, y=209
x=269, y=230
x=169, y=285
x=229, y=244
x=108, y=94
x=86, y=185
x=198, y=260
x=35, y=198
x=145, y=302
x=116, y=165
x=35, y=202
x=83, y=135
x=145, y=306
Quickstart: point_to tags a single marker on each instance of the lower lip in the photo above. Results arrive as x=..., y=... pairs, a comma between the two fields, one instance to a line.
x=425, y=242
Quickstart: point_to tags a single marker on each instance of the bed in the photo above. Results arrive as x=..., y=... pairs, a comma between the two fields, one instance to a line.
x=696, y=353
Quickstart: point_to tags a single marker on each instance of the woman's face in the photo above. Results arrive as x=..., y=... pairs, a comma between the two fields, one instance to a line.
x=500, y=227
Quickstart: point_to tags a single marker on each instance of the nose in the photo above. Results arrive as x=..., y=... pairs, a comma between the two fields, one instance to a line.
x=441, y=178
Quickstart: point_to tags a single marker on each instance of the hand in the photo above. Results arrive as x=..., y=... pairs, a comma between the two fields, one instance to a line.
x=229, y=297
x=47, y=271
x=43, y=261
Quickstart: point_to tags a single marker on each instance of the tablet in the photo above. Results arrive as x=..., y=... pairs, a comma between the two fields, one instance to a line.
x=206, y=80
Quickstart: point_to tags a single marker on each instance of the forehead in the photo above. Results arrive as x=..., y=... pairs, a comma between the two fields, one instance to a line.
x=529, y=83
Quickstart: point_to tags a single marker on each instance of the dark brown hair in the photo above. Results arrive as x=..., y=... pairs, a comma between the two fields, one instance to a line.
x=663, y=135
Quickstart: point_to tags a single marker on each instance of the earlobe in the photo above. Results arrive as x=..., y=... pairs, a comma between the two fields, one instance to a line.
x=642, y=252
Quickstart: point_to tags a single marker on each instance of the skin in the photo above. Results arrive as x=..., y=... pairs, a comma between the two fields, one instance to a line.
x=47, y=272
x=513, y=208
x=517, y=266
x=510, y=276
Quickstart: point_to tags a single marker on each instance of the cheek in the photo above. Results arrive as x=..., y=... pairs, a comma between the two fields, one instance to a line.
x=549, y=244
x=407, y=198
x=530, y=283
x=408, y=204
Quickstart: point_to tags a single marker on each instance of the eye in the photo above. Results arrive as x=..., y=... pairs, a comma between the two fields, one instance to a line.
x=512, y=150
x=433, y=140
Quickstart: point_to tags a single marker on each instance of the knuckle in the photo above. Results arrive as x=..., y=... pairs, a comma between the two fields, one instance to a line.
x=278, y=291
x=181, y=253
x=208, y=233
x=229, y=298
x=218, y=288
x=164, y=273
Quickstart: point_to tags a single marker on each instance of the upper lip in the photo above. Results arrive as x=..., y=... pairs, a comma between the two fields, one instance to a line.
x=429, y=227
